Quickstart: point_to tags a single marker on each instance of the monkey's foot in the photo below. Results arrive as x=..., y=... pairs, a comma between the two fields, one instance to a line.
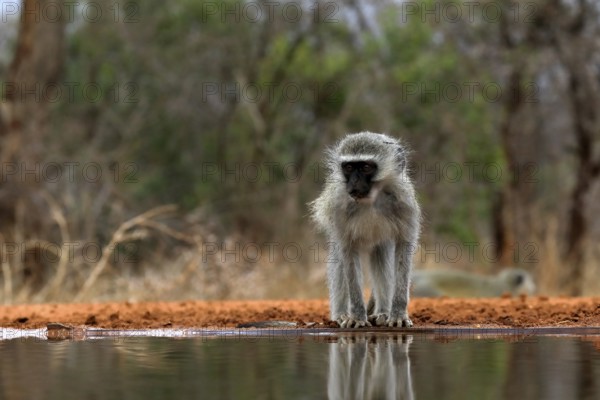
x=399, y=322
x=379, y=319
x=351, y=322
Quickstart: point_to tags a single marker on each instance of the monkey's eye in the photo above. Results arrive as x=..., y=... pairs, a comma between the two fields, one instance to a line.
x=367, y=168
x=348, y=168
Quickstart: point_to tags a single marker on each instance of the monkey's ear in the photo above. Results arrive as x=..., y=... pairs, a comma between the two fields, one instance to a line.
x=401, y=158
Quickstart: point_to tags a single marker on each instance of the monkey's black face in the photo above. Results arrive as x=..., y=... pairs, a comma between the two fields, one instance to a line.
x=359, y=177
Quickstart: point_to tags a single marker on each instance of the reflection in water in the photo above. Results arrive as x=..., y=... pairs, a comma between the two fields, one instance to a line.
x=370, y=367
x=336, y=366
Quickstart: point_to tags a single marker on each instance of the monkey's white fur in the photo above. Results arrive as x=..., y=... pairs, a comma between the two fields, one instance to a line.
x=382, y=228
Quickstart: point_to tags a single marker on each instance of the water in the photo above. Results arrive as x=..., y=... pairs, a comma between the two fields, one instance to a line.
x=342, y=366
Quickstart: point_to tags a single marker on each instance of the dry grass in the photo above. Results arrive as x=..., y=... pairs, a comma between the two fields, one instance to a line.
x=62, y=284
x=175, y=265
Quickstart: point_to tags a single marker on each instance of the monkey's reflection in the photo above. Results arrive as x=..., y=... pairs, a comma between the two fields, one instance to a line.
x=370, y=367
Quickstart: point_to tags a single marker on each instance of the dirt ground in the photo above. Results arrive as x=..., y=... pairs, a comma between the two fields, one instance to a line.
x=498, y=312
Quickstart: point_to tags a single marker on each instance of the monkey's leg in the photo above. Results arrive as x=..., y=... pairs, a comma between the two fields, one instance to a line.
x=338, y=287
x=358, y=314
x=382, y=274
x=403, y=267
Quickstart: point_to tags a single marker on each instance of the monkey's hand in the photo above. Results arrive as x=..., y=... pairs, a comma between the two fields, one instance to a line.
x=400, y=321
x=379, y=319
x=346, y=321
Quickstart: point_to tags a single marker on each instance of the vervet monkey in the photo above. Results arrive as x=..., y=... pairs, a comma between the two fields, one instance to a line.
x=370, y=213
x=446, y=282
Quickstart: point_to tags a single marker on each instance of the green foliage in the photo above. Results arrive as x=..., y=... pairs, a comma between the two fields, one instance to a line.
x=348, y=79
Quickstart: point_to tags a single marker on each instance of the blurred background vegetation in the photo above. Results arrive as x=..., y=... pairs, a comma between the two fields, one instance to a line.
x=167, y=150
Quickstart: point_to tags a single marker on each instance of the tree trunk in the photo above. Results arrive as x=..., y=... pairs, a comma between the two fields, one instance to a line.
x=512, y=225
x=585, y=104
x=32, y=78
x=30, y=82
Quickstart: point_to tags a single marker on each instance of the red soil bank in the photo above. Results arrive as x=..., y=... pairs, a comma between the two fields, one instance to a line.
x=497, y=312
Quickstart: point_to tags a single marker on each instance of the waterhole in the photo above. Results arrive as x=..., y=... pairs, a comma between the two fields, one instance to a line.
x=300, y=365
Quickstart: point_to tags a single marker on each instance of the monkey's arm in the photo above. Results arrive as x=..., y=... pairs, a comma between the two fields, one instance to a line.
x=403, y=265
x=358, y=313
